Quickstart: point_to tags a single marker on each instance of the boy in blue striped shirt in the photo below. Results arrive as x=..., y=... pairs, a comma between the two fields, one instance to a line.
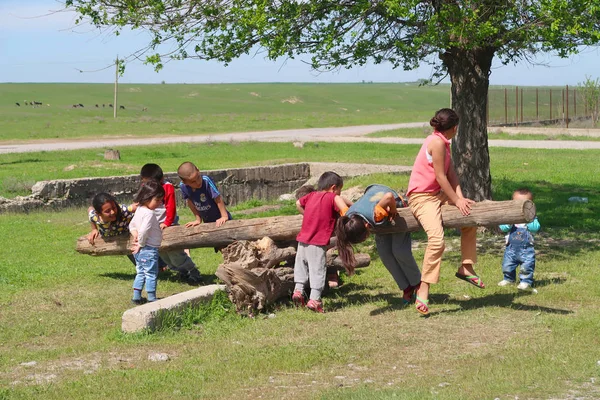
x=202, y=196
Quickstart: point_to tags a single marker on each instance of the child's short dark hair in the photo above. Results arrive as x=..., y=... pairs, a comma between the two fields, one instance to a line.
x=444, y=119
x=304, y=190
x=149, y=190
x=152, y=171
x=101, y=199
x=524, y=191
x=329, y=179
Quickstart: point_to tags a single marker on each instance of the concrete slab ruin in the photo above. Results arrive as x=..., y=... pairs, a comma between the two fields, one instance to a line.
x=148, y=316
x=237, y=185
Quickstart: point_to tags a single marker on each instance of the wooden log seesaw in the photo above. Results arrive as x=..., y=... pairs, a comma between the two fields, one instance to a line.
x=258, y=260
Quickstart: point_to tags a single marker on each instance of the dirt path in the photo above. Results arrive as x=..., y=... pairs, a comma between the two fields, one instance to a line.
x=343, y=134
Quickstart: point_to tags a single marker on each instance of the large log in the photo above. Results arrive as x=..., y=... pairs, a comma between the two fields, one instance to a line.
x=282, y=229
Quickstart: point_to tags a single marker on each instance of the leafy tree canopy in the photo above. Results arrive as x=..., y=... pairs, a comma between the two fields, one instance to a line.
x=459, y=37
x=344, y=33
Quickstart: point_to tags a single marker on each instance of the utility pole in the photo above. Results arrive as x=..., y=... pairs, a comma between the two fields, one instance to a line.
x=116, y=87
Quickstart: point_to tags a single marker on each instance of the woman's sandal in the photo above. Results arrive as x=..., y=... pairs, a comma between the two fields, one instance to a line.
x=472, y=279
x=422, y=306
x=409, y=294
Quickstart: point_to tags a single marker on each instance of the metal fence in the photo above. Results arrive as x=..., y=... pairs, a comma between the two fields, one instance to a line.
x=514, y=106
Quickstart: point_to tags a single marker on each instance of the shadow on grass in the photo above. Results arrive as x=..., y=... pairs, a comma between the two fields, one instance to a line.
x=352, y=293
x=505, y=300
x=169, y=276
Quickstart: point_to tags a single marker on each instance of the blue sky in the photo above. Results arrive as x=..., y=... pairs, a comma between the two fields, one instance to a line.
x=37, y=47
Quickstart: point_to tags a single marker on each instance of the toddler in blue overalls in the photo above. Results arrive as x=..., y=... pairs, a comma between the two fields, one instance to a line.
x=519, y=248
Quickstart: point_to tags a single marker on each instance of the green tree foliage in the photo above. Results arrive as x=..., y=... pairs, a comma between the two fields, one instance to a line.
x=459, y=38
x=589, y=91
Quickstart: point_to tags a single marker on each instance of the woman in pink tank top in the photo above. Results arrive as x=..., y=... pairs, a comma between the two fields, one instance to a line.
x=433, y=183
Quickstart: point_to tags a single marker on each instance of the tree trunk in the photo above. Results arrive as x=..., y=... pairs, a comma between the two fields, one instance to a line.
x=285, y=229
x=259, y=273
x=469, y=73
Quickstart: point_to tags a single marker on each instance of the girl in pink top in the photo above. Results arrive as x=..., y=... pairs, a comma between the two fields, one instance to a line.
x=433, y=183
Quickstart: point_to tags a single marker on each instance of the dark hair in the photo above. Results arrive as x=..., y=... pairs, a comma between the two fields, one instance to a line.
x=328, y=179
x=349, y=231
x=152, y=171
x=524, y=191
x=304, y=190
x=148, y=191
x=444, y=119
x=101, y=199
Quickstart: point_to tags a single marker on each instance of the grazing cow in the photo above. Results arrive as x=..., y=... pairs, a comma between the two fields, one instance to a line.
x=110, y=105
x=18, y=105
x=80, y=105
x=75, y=106
x=96, y=105
x=37, y=103
x=122, y=107
x=26, y=103
x=103, y=105
x=145, y=109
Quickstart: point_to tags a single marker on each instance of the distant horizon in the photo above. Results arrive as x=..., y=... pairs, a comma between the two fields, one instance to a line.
x=266, y=83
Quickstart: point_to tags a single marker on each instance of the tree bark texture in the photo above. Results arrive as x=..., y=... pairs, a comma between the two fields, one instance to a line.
x=285, y=229
x=258, y=273
x=469, y=73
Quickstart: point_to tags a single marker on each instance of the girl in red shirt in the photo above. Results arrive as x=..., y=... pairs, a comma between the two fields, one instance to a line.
x=321, y=209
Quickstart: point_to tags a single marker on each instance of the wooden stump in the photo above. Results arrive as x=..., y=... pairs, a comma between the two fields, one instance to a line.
x=259, y=273
x=111, y=154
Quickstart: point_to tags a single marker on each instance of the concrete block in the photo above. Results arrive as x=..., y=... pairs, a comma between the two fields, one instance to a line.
x=148, y=315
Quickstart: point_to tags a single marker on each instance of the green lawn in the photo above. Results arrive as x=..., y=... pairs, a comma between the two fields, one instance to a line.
x=202, y=109
x=63, y=310
x=423, y=132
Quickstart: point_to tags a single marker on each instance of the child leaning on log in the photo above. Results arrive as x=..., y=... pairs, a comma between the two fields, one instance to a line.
x=166, y=212
x=202, y=196
x=320, y=209
x=333, y=278
x=109, y=218
x=377, y=208
x=433, y=183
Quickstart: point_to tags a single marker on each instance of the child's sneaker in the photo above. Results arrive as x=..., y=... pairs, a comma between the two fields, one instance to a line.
x=298, y=298
x=194, y=277
x=504, y=282
x=523, y=286
x=315, y=305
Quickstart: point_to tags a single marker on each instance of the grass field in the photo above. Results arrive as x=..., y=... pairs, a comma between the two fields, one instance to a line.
x=201, y=109
x=60, y=311
x=423, y=132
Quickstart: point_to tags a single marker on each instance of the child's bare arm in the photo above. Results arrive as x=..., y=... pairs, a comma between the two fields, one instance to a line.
x=348, y=202
x=194, y=210
x=91, y=237
x=299, y=207
x=438, y=153
x=223, y=210
x=388, y=203
x=135, y=246
x=340, y=202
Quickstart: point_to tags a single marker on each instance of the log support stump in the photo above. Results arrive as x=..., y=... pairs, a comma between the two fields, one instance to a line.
x=258, y=273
